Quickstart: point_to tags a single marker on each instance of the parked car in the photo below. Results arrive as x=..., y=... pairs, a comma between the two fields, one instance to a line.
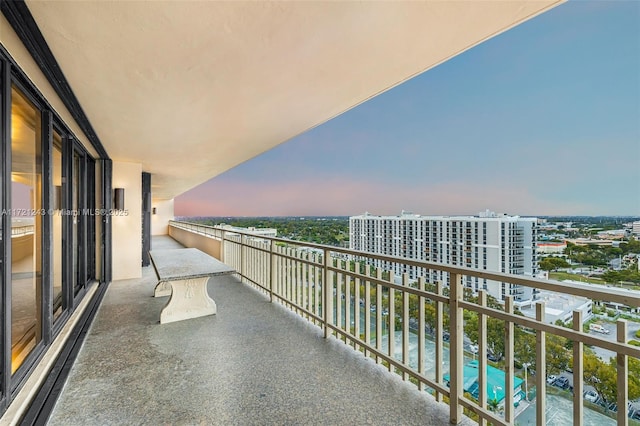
x=492, y=357
x=472, y=348
x=561, y=382
x=598, y=329
x=551, y=378
x=591, y=396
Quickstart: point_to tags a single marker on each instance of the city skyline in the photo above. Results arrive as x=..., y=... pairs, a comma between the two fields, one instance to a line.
x=540, y=120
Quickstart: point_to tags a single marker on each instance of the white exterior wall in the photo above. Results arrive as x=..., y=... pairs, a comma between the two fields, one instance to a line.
x=476, y=242
x=160, y=220
x=127, y=229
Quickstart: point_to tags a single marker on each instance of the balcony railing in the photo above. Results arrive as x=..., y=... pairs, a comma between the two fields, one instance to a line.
x=369, y=309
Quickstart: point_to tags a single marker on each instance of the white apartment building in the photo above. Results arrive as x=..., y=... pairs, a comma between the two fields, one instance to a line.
x=497, y=243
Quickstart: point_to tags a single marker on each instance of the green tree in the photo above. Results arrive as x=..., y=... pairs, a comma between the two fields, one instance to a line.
x=600, y=375
x=471, y=325
x=493, y=405
x=495, y=336
x=631, y=246
x=611, y=277
x=495, y=327
x=558, y=356
x=634, y=377
x=553, y=263
x=628, y=275
x=524, y=347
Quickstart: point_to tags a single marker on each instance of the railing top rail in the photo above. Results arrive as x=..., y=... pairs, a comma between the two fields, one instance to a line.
x=591, y=291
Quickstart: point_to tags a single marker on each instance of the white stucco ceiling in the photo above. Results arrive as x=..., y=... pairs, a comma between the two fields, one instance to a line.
x=192, y=89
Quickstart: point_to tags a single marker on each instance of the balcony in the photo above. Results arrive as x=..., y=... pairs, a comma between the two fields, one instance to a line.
x=254, y=362
x=357, y=308
x=41, y=47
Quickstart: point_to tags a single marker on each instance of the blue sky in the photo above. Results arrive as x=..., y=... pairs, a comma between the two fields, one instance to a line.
x=541, y=120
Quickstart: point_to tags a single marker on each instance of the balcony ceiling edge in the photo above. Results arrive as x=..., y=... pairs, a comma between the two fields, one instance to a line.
x=192, y=90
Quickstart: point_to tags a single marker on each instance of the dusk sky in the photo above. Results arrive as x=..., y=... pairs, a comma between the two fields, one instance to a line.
x=541, y=120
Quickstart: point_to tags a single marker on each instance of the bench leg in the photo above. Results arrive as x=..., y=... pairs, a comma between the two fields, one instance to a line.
x=162, y=289
x=189, y=299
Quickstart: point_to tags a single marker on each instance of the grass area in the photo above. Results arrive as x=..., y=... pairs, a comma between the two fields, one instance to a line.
x=630, y=318
x=561, y=276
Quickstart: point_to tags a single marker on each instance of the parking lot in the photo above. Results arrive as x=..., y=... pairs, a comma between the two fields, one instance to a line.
x=560, y=406
x=605, y=354
x=560, y=412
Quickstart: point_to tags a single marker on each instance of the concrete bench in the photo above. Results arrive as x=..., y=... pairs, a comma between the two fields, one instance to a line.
x=183, y=275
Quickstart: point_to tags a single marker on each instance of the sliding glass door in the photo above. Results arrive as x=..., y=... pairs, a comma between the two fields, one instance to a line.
x=47, y=229
x=51, y=239
x=83, y=221
x=26, y=227
x=59, y=302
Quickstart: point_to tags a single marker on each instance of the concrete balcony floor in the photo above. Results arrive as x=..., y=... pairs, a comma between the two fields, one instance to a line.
x=253, y=363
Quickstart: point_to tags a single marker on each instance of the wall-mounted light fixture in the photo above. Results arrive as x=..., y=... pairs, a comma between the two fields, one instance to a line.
x=153, y=210
x=57, y=197
x=118, y=198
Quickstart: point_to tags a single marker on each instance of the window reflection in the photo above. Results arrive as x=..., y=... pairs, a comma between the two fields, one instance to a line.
x=57, y=225
x=26, y=225
x=75, y=237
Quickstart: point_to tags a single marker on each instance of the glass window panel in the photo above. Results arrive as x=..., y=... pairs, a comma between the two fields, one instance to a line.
x=26, y=226
x=98, y=222
x=57, y=226
x=75, y=227
x=2, y=248
x=89, y=221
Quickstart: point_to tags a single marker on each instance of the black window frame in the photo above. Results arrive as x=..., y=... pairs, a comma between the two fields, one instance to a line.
x=22, y=83
x=12, y=75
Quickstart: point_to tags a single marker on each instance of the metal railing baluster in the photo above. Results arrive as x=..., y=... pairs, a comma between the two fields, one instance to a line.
x=578, y=370
x=456, y=359
x=508, y=360
x=482, y=355
x=622, y=370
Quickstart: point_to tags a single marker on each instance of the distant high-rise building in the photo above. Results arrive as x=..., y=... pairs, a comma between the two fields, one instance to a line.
x=258, y=232
x=496, y=243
